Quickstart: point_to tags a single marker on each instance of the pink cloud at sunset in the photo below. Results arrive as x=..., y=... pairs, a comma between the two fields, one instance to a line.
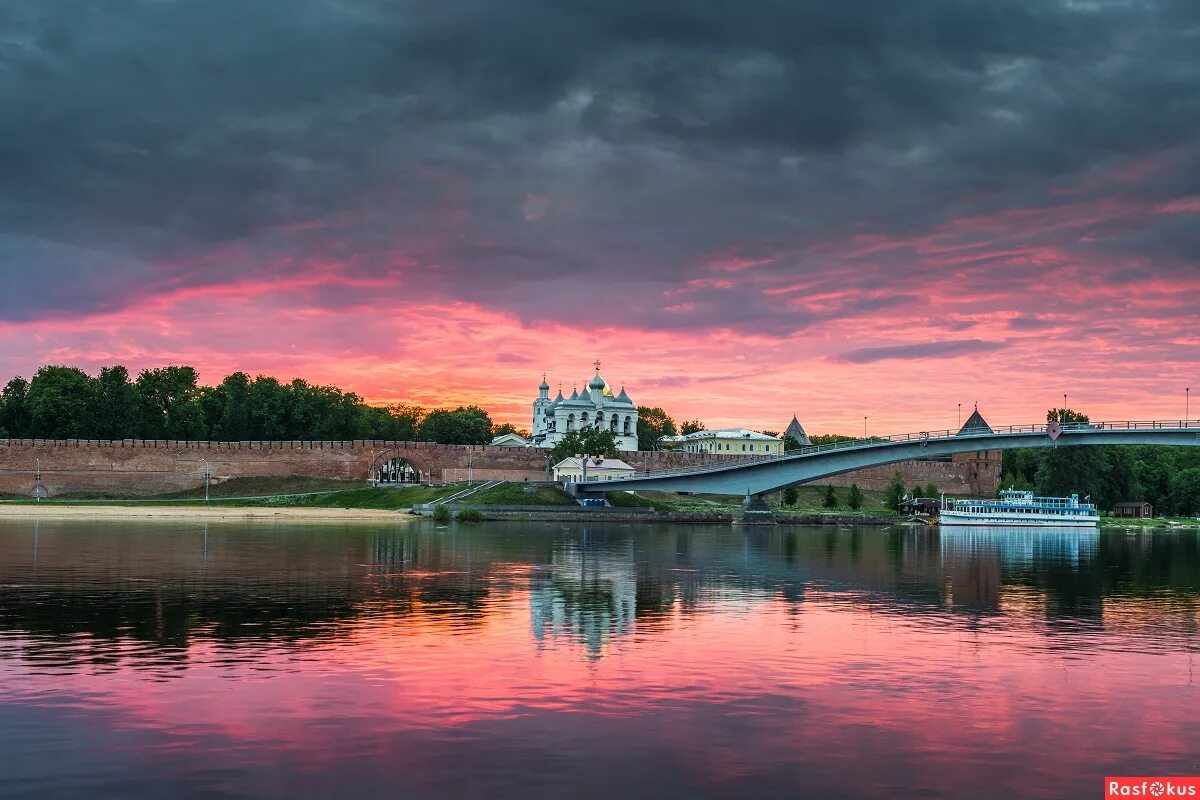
x=899, y=330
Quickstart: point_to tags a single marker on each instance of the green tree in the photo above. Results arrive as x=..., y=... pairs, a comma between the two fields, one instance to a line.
x=463, y=425
x=855, y=498
x=1014, y=480
x=893, y=497
x=1065, y=416
x=395, y=422
x=116, y=401
x=14, y=409
x=1108, y=474
x=588, y=441
x=227, y=409
x=790, y=444
x=508, y=427
x=60, y=403
x=831, y=438
x=691, y=426
x=1021, y=467
x=267, y=410
x=169, y=403
x=1064, y=470
x=653, y=424
x=831, y=498
x=791, y=496
x=1152, y=467
x=1185, y=493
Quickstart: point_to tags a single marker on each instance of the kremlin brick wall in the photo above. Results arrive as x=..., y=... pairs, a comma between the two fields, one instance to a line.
x=137, y=467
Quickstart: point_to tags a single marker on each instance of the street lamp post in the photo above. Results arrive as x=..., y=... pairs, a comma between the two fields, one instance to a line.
x=864, y=427
x=1187, y=404
x=960, y=415
x=207, y=473
x=39, y=491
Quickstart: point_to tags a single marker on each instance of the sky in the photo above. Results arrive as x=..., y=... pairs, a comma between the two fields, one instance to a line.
x=744, y=209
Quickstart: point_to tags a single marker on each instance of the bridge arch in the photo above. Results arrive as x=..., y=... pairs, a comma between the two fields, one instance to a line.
x=772, y=473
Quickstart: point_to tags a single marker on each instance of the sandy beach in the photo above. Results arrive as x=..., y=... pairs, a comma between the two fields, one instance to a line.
x=194, y=512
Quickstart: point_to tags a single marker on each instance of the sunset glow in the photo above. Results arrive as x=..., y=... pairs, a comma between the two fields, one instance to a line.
x=448, y=237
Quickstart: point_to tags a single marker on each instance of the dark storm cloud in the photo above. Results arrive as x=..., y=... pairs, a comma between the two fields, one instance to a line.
x=575, y=161
x=1030, y=324
x=869, y=355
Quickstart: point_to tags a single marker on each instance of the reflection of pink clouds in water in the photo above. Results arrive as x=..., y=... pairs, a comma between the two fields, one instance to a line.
x=803, y=682
x=853, y=663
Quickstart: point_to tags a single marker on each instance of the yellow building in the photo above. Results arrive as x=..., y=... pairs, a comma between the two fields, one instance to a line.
x=591, y=468
x=726, y=441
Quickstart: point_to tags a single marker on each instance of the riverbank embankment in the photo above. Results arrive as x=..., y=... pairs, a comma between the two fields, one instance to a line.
x=59, y=511
x=651, y=516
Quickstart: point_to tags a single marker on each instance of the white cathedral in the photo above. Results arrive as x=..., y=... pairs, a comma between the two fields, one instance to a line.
x=594, y=407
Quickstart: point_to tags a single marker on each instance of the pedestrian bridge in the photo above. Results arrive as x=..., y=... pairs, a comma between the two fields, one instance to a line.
x=771, y=473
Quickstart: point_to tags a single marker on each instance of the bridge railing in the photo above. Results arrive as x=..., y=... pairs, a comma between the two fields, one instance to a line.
x=925, y=436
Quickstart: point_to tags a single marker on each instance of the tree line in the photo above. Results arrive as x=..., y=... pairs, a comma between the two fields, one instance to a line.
x=1166, y=477
x=62, y=402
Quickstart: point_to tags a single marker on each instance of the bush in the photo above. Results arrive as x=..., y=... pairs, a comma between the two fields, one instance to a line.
x=855, y=498
x=471, y=515
x=442, y=514
x=831, y=498
x=791, y=496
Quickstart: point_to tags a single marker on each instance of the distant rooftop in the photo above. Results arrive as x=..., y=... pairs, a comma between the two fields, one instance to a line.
x=975, y=424
x=724, y=433
x=593, y=461
x=796, y=431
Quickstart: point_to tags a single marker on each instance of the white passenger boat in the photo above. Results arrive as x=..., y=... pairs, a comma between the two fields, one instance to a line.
x=1021, y=509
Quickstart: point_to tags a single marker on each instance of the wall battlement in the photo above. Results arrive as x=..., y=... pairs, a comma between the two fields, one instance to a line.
x=156, y=466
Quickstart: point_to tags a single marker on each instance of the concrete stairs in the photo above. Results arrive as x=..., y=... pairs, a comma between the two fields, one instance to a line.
x=426, y=509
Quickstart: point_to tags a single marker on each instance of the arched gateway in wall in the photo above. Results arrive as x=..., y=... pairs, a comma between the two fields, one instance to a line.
x=390, y=467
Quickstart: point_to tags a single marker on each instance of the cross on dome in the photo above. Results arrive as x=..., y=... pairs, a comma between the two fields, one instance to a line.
x=591, y=406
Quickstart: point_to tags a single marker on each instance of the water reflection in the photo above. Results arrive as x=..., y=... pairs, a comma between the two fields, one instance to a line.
x=588, y=592
x=1021, y=546
x=235, y=585
x=704, y=660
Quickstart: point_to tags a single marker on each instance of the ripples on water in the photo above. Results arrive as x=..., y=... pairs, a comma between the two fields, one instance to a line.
x=158, y=659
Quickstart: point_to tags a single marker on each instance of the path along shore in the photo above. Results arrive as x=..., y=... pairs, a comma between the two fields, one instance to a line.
x=194, y=512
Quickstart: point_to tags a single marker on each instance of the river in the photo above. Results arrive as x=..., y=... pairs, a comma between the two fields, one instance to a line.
x=178, y=660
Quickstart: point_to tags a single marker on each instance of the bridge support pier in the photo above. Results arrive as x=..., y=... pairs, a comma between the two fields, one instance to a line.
x=755, y=511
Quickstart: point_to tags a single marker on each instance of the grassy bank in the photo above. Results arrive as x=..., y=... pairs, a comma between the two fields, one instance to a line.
x=300, y=493
x=810, y=500
x=358, y=497
x=520, y=494
x=232, y=488
x=1154, y=523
